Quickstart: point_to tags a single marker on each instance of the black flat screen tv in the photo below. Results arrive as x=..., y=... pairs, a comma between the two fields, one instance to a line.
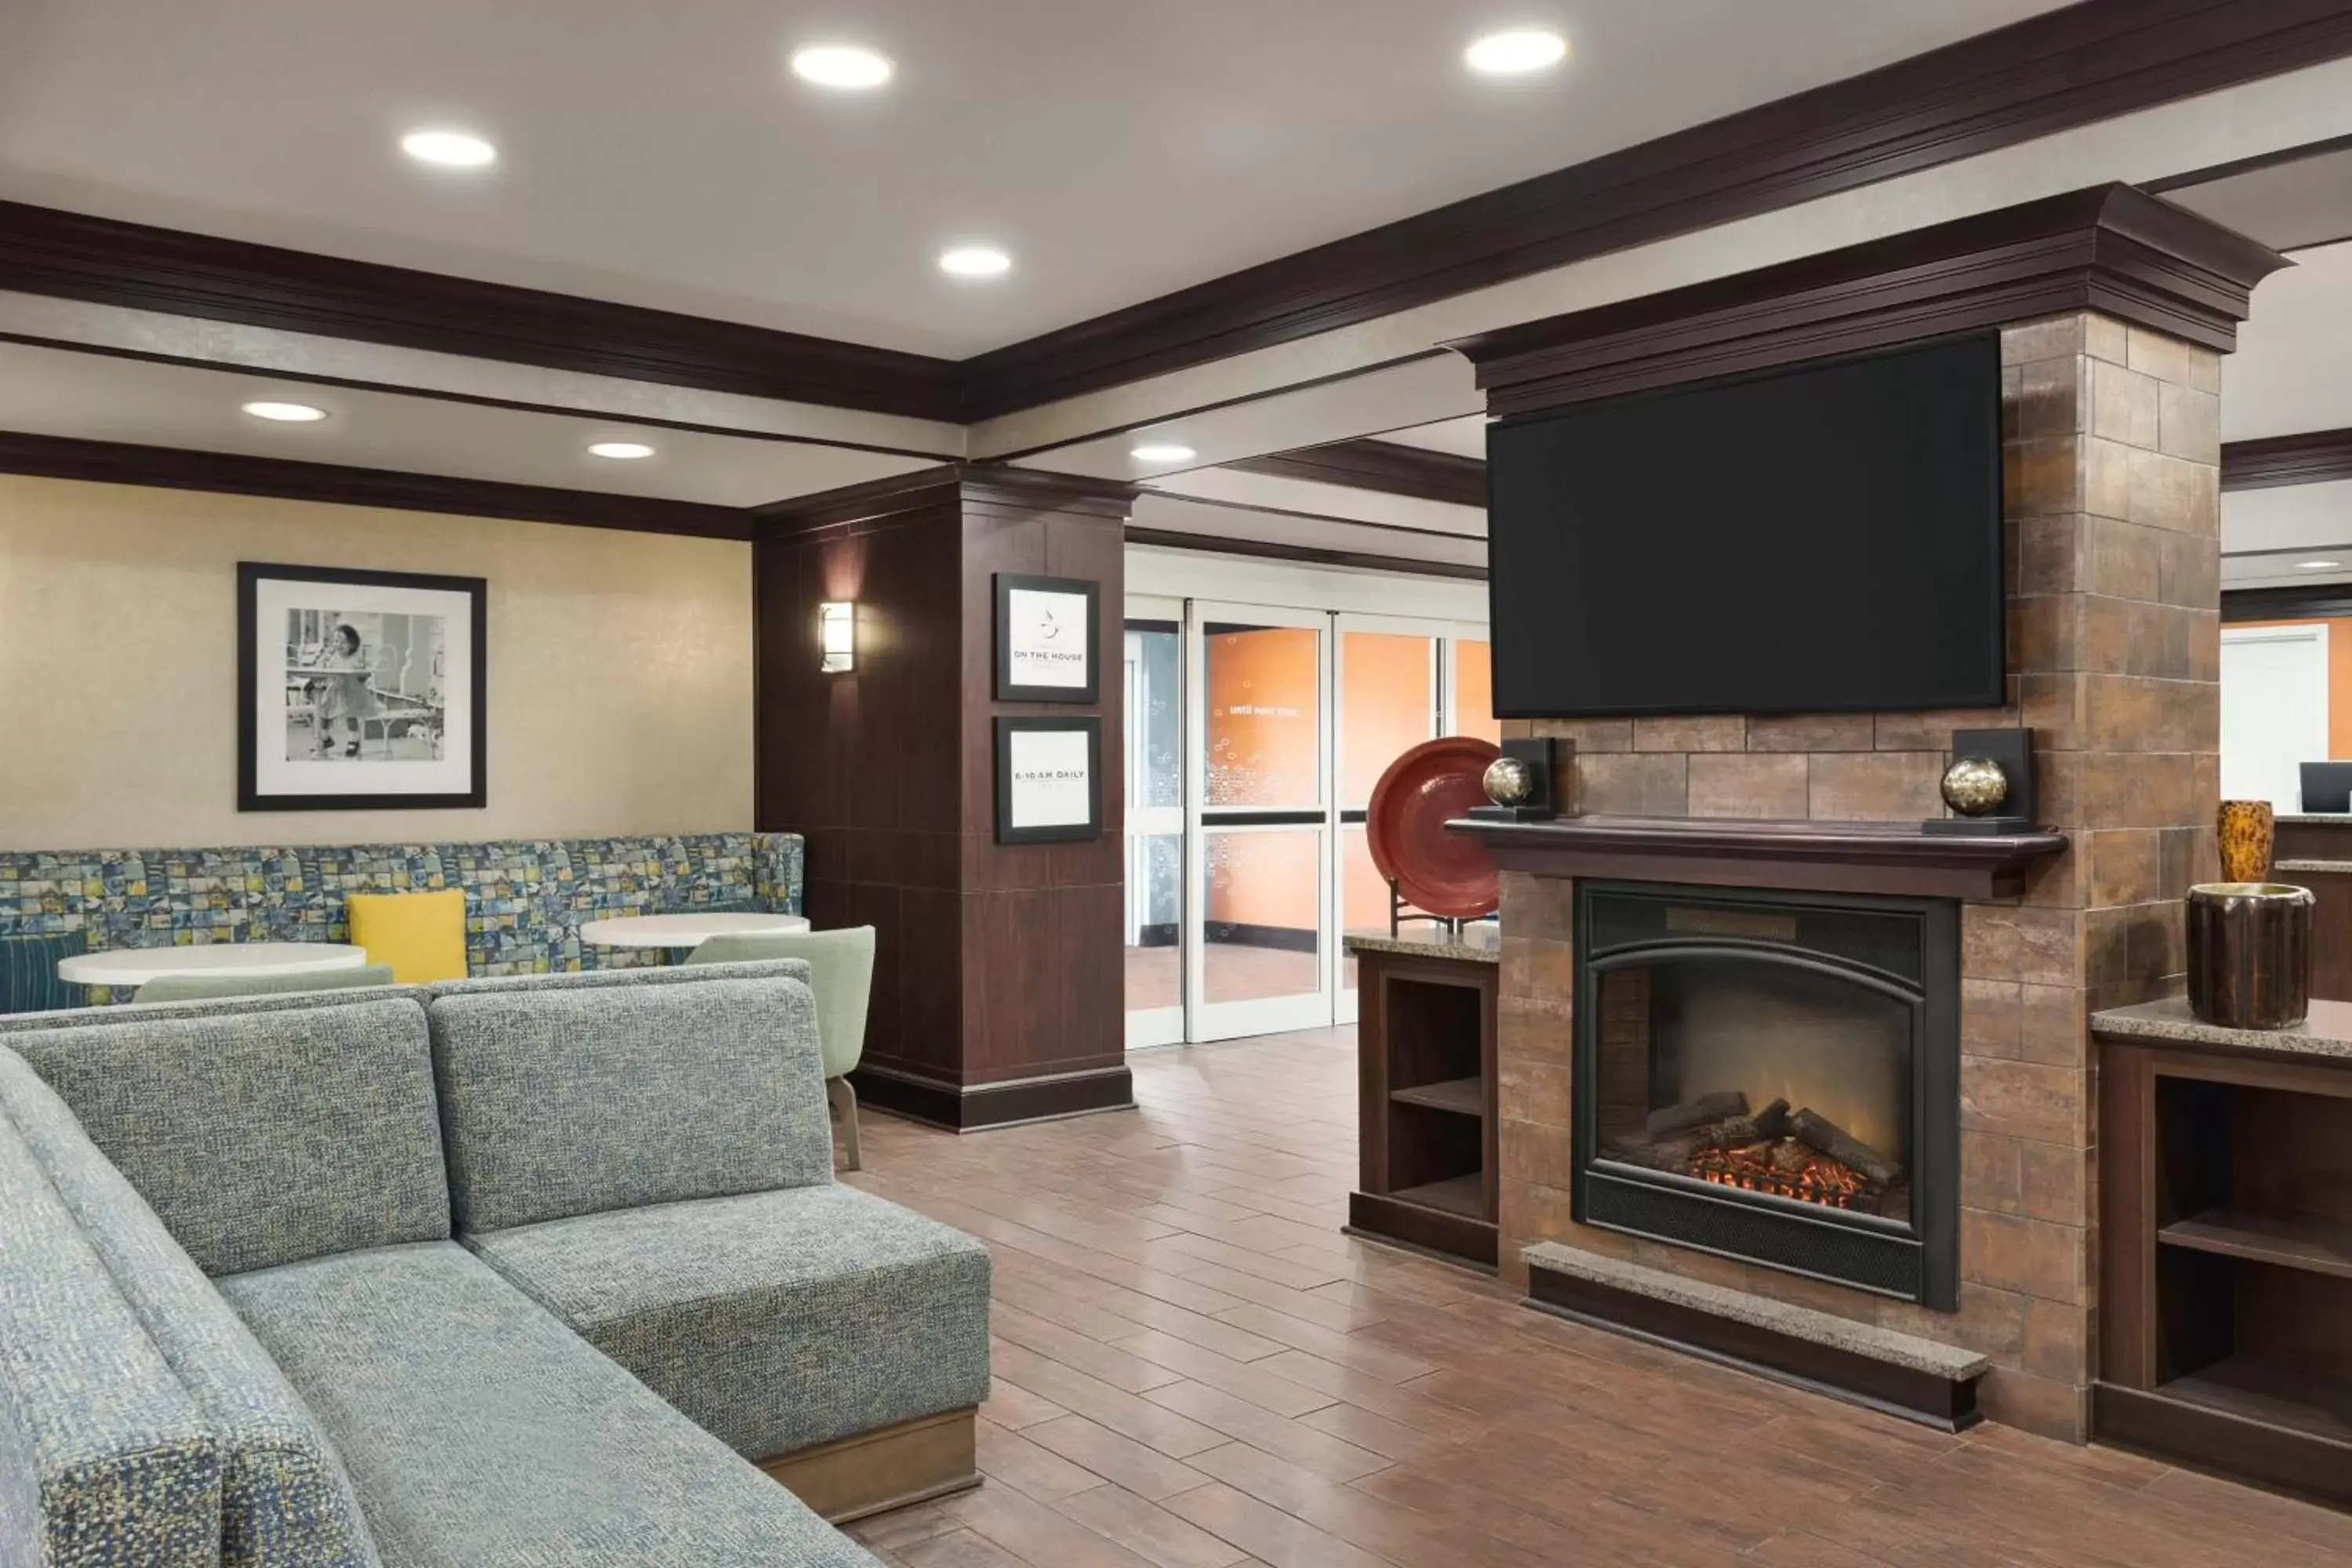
x=1820, y=540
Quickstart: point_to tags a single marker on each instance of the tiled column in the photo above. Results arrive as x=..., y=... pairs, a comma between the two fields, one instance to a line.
x=2111, y=498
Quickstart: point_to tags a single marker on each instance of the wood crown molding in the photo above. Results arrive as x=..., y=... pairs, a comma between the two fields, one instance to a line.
x=1390, y=467
x=2319, y=602
x=2049, y=73
x=2315, y=457
x=282, y=478
x=2110, y=249
x=984, y=484
x=106, y=261
x=1303, y=554
x=2066, y=67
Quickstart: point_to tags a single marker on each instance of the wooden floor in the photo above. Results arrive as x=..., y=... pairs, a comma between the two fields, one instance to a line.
x=1194, y=1369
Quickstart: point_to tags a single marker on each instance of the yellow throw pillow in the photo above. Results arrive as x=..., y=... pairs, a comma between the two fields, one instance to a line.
x=421, y=935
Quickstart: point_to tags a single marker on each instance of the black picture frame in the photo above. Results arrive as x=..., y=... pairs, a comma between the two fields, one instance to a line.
x=250, y=794
x=1088, y=725
x=1007, y=691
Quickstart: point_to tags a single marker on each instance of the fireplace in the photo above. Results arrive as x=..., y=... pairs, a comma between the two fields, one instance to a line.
x=1773, y=1076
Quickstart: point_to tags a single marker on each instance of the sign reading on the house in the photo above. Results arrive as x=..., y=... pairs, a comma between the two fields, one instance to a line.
x=1046, y=628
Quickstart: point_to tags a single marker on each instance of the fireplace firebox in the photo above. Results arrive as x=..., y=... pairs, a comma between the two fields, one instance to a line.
x=1773, y=1076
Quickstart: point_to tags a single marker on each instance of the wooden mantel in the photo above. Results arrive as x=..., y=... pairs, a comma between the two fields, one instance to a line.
x=1897, y=858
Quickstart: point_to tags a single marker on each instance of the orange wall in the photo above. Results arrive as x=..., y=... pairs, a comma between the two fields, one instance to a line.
x=1473, y=693
x=1384, y=706
x=2339, y=678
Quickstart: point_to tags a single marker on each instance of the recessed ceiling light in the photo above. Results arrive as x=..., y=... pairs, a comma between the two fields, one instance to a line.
x=1162, y=452
x=450, y=149
x=286, y=412
x=620, y=451
x=975, y=261
x=843, y=66
x=2318, y=565
x=1516, y=53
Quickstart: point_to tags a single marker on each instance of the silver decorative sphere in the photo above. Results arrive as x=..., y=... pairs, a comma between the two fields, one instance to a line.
x=1975, y=787
x=1510, y=781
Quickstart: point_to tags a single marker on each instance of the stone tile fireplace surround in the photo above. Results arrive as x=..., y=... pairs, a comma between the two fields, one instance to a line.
x=2111, y=454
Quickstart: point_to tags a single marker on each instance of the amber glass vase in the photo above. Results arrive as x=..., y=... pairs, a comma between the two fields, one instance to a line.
x=2246, y=830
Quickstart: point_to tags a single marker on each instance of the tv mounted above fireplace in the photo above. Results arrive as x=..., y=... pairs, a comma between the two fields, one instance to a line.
x=1816, y=540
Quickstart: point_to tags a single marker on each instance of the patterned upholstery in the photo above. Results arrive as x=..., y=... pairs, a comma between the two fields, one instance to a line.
x=775, y=1321
x=198, y=987
x=28, y=972
x=262, y=1136
x=841, y=966
x=103, y=1457
x=567, y=1100
x=480, y=1431
x=285, y=1501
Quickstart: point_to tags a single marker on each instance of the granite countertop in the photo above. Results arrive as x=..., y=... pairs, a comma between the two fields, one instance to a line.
x=1478, y=942
x=2316, y=818
x=2326, y=1033
x=2288, y=868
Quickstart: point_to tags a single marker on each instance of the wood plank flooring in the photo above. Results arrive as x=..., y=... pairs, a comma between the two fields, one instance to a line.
x=1194, y=1369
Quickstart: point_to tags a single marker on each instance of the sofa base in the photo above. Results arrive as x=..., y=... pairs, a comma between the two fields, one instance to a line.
x=892, y=1467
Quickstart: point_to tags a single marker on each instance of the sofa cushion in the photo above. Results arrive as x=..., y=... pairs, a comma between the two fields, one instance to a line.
x=777, y=1320
x=285, y=1501
x=28, y=972
x=479, y=1430
x=262, y=1135
x=563, y=1100
x=103, y=1457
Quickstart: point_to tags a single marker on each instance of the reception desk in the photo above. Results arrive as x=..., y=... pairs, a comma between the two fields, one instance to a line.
x=2316, y=852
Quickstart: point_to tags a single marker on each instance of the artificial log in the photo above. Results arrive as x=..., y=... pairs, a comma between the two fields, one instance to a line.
x=1700, y=1112
x=1765, y=1126
x=1811, y=1127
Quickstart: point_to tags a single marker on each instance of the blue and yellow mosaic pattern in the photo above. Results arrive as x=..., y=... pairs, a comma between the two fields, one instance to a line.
x=525, y=898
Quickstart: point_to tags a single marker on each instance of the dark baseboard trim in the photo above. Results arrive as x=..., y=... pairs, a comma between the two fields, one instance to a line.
x=1457, y=1238
x=1303, y=554
x=1389, y=467
x=2234, y=1445
x=1943, y=1403
x=973, y=1108
x=2314, y=458
x=1241, y=933
x=228, y=473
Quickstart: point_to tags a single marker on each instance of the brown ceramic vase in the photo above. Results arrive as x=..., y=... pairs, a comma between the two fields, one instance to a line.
x=2247, y=831
x=2250, y=953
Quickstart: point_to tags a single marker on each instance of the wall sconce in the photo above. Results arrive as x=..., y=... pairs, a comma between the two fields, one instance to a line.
x=836, y=622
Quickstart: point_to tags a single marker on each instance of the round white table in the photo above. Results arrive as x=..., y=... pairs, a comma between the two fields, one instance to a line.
x=130, y=966
x=676, y=932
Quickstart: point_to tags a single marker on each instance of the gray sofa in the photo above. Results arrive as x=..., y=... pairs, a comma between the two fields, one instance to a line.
x=532, y=1271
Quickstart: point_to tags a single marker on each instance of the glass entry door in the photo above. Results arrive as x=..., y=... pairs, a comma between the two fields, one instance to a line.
x=1153, y=670
x=1260, y=954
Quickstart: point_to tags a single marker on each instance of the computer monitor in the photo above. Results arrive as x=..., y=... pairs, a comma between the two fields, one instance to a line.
x=2327, y=786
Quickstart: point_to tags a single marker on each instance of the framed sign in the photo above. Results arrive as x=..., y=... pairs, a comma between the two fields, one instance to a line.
x=1048, y=780
x=1047, y=630
x=360, y=691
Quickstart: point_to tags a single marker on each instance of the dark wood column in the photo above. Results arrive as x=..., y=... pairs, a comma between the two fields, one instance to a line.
x=998, y=991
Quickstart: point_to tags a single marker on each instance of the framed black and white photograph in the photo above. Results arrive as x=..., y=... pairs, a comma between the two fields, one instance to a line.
x=1048, y=780
x=1046, y=632
x=360, y=691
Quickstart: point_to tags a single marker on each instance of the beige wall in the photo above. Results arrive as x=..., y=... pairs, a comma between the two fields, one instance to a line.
x=619, y=678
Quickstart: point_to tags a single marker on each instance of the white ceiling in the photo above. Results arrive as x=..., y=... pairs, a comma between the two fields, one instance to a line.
x=2288, y=375
x=56, y=391
x=1464, y=437
x=662, y=155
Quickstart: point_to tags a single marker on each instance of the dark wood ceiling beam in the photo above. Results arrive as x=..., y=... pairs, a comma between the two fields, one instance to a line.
x=2050, y=73
x=1390, y=467
x=73, y=256
x=172, y=468
x=2314, y=458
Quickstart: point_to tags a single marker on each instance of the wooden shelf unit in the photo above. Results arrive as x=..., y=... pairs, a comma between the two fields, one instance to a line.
x=1425, y=1052
x=2226, y=1272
